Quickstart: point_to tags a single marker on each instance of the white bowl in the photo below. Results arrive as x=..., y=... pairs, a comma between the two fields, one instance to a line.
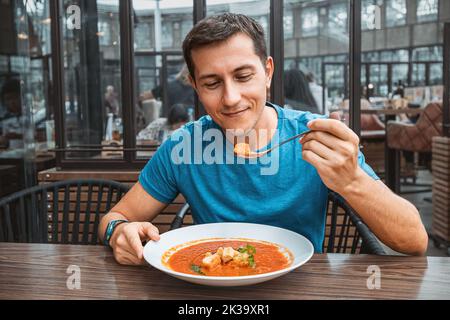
x=300, y=247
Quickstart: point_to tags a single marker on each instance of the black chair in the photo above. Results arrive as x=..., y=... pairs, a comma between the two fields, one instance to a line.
x=345, y=232
x=61, y=212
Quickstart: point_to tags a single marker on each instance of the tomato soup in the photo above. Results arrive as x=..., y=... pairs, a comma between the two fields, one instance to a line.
x=257, y=256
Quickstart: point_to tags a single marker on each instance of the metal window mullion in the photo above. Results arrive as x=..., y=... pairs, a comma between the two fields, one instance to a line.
x=199, y=12
x=58, y=76
x=355, y=66
x=126, y=18
x=277, y=50
x=446, y=105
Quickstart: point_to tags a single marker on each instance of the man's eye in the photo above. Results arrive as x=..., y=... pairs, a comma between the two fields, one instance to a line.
x=211, y=85
x=244, y=78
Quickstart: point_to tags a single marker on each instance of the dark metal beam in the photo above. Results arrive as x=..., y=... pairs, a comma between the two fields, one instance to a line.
x=58, y=77
x=355, y=66
x=199, y=14
x=199, y=10
x=277, y=50
x=446, y=105
x=127, y=71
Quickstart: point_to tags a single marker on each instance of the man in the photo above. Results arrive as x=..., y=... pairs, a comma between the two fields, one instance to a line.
x=160, y=129
x=231, y=72
x=178, y=90
x=316, y=91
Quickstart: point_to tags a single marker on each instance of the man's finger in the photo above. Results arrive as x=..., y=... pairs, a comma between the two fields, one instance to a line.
x=128, y=258
x=312, y=158
x=149, y=231
x=321, y=150
x=325, y=138
x=136, y=244
x=334, y=127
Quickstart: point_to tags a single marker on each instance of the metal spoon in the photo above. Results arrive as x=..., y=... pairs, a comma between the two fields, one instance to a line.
x=243, y=149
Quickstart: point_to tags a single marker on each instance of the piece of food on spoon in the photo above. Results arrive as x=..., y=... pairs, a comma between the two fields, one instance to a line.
x=242, y=149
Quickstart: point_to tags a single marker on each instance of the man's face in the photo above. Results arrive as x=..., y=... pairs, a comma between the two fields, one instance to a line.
x=231, y=82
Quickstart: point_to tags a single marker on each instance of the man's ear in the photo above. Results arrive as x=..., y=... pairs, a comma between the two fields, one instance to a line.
x=269, y=71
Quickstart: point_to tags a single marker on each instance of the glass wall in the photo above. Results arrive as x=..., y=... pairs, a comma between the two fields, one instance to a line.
x=92, y=78
x=402, y=64
x=26, y=105
x=165, y=100
x=257, y=9
x=316, y=55
x=404, y=53
x=401, y=53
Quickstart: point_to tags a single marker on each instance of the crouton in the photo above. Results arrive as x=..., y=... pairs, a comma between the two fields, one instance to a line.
x=211, y=260
x=241, y=259
x=228, y=254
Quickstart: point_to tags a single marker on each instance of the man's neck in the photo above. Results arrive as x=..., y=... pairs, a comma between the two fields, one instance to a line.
x=265, y=128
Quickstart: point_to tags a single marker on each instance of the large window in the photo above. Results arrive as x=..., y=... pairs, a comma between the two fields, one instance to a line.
x=26, y=99
x=316, y=77
x=26, y=105
x=427, y=10
x=92, y=79
x=257, y=9
x=337, y=18
x=310, y=22
x=161, y=83
x=395, y=13
x=371, y=15
x=94, y=61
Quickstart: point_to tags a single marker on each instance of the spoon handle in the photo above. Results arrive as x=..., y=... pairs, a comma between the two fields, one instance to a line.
x=292, y=138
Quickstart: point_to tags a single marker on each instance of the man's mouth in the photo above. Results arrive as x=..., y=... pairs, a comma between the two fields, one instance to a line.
x=235, y=113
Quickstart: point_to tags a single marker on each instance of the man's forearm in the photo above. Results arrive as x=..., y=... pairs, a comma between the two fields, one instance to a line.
x=394, y=220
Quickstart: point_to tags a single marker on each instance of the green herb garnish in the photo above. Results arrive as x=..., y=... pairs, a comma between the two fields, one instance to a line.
x=247, y=249
x=196, y=269
x=250, y=250
x=251, y=261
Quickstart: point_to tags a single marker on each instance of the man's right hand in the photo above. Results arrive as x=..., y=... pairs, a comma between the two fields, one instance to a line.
x=127, y=238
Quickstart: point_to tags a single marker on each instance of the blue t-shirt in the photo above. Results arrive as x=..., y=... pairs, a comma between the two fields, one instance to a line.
x=279, y=189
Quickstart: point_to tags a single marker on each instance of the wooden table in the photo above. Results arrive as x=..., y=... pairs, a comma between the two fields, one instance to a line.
x=39, y=271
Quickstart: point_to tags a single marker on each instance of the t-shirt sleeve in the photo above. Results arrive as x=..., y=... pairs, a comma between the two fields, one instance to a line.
x=367, y=169
x=158, y=177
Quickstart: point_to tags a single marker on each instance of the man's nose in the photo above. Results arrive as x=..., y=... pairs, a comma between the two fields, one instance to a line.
x=231, y=95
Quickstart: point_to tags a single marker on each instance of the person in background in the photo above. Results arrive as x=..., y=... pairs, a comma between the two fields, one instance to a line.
x=111, y=101
x=160, y=129
x=11, y=120
x=297, y=94
x=317, y=92
x=178, y=90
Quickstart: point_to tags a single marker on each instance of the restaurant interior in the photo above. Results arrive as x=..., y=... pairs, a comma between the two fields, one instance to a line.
x=87, y=87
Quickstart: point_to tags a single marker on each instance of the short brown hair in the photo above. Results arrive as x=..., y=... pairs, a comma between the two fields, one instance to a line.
x=219, y=28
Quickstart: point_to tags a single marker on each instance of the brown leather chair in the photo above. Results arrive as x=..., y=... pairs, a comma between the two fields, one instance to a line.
x=416, y=137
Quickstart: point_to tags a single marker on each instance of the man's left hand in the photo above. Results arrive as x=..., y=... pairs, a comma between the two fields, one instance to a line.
x=332, y=148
